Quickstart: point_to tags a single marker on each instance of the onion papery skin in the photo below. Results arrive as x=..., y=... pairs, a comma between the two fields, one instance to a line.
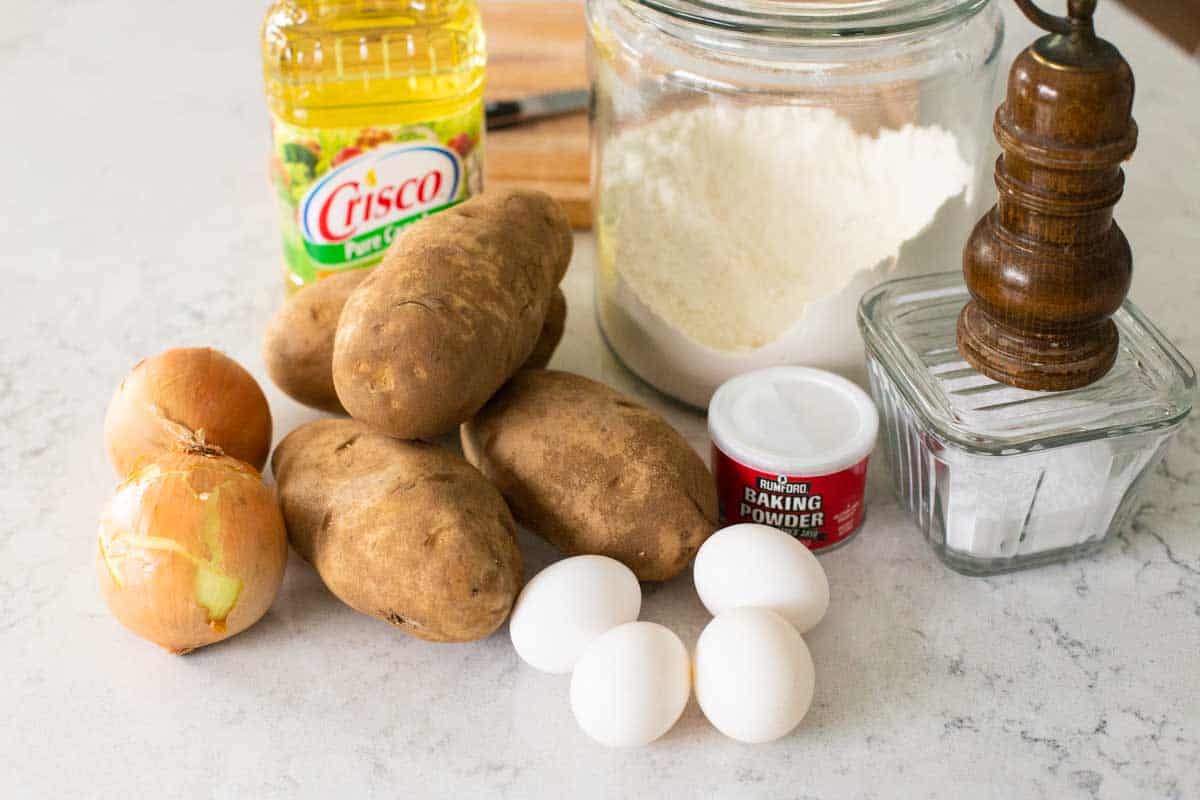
x=192, y=549
x=183, y=396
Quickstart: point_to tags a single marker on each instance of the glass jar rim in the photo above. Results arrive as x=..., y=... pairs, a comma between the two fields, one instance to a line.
x=1161, y=394
x=817, y=19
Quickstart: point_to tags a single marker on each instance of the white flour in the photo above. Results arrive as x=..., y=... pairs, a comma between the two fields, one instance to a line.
x=737, y=237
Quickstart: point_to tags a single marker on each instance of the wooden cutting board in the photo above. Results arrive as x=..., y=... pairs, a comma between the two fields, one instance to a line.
x=536, y=47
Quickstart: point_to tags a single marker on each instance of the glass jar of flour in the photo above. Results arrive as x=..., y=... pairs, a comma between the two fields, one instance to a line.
x=759, y=164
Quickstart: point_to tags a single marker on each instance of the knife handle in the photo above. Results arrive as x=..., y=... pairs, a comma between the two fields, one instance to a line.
x=501, y=113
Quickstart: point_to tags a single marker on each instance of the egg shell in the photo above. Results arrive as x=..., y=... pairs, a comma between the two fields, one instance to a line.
x=567, y=605
x=757, y=566
x=754, y=675
x=631, y=685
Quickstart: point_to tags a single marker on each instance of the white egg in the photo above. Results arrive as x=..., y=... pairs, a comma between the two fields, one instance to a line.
x=567, y=605
x=754, y=675
x=757, y=566
x=631, y=684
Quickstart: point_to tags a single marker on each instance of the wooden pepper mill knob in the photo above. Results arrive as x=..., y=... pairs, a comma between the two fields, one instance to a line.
x=1047, y=266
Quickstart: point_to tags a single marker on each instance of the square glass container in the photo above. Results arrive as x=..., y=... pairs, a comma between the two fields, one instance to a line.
x=999, y=478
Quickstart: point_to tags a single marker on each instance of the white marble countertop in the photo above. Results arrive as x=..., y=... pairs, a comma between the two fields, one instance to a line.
x=135, y=216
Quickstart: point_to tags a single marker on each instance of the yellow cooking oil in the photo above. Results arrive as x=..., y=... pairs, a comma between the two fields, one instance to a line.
x=376, y=119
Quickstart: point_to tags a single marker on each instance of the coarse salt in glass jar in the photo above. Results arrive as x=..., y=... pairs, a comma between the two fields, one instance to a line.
x=790, y=448
x=758, y=164
x=1000, y=478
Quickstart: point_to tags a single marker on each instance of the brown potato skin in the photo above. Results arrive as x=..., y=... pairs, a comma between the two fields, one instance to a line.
x=552, y=333
x=403, y=531
x=298, y=346
x=453, y=310
x=594, y=472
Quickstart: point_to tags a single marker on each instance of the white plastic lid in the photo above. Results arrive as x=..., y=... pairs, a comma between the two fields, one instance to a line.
x=793, y=421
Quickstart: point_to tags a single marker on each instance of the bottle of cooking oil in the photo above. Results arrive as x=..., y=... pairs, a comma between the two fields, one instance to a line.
x=377, y=120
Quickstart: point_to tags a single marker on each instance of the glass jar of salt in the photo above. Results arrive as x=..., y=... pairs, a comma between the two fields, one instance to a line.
x=1022, y=410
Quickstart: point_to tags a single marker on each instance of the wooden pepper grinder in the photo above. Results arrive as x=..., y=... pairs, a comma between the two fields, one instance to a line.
x=1047, y=266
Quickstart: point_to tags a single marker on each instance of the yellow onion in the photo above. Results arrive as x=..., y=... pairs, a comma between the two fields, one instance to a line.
x=192, y=549
x=182, y=396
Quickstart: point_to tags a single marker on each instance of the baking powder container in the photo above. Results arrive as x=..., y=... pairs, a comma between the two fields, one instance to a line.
x=790, y=448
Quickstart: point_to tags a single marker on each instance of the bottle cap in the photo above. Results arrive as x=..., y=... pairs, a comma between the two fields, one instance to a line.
x=793, y=421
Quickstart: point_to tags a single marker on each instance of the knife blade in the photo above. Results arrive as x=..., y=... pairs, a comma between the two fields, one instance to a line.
x=507, y=113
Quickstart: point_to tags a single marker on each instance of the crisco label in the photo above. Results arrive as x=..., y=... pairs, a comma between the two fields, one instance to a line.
x=345, y=194
x=352, y=213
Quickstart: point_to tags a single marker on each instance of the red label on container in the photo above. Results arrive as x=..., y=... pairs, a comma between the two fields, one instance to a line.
x=819, y=511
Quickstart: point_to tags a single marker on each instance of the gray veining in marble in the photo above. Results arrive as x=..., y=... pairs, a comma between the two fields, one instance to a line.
x=134, y=215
